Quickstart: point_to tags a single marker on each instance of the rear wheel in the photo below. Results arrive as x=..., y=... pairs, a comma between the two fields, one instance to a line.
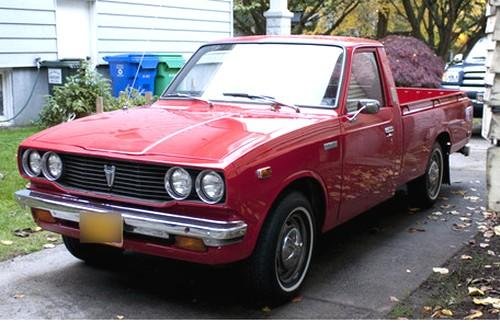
x=282, y=256
x=425, y=190
x=95, y=254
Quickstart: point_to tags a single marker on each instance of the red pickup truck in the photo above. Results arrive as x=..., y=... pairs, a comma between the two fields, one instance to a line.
x=259, y=145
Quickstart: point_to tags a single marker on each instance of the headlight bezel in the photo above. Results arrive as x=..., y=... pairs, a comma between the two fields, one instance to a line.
x=168, y=184
x=26, y=163
x=200, y=191
x=46, y=167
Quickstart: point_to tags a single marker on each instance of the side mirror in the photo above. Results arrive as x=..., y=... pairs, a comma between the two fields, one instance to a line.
x=458, y=58
x=368, y=106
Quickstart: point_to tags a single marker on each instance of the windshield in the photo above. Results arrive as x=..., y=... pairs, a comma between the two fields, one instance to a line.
x=478, y=52
x=304, y=75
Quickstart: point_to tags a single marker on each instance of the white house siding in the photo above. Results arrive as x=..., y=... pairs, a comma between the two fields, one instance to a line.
x=27, y=31
x=173, y=26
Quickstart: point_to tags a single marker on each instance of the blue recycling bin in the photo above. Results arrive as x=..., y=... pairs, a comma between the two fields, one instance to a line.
x=123, y=71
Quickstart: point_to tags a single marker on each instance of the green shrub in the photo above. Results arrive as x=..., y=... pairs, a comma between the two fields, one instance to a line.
x=77, y=97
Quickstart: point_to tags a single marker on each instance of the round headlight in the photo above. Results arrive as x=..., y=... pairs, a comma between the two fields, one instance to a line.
x=178, y=183
x=32, y=163
x=52, y=166
x=210, y=186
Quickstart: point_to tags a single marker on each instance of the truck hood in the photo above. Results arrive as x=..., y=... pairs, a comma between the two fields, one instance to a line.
x=209, y=135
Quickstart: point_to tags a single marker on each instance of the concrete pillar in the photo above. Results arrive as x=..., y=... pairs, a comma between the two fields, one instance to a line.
x=491, y=112
x=278, y=18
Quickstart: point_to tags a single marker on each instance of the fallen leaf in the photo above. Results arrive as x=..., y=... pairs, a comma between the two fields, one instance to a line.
x=427, y=309
x=445, y=206
x=440, y=270
x=465, y=257
x=394, y=299
x=466, y=219
x=491, y=253
x=297, y=299
x=37, y=229
x=6, y=242
x=18, y=296
x=49, y=245
x=487, y=301
x=446, y=312
x=496, y=229
x=488, y=234
x=453, y=212
x=484, y=245
x=473, y=291
x=21, y=233
x=52, y=239
x=474, y=315
x=266, y=309
x=437, y=213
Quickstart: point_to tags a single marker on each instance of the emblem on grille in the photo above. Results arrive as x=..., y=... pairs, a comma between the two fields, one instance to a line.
x=109, y=171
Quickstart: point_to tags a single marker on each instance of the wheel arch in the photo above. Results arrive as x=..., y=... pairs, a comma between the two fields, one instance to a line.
x=313, y=189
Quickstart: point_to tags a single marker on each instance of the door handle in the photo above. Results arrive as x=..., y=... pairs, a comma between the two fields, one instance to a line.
x=389, y=131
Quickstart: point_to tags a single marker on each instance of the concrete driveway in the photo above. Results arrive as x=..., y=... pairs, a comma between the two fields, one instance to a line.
x=387, y=252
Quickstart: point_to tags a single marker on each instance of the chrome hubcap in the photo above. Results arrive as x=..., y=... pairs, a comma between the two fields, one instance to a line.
x=434, y=175
x=294, y=249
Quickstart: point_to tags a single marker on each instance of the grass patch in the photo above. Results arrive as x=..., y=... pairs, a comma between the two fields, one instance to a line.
x=12, y=216
x=401, y=310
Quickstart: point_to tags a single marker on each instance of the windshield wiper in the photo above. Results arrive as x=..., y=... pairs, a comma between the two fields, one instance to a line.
x=276, y=104
x=187, y=96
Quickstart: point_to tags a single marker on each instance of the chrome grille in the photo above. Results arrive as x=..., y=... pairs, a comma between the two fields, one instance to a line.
x=136, y=180
x=474, y=78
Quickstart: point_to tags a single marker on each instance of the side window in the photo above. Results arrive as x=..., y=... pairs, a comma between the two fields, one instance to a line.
x=365, y=80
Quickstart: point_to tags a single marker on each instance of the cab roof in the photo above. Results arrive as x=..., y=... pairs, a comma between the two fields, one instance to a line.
x=304, y=39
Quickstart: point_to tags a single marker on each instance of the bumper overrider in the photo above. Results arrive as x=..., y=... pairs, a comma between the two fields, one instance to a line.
x=138, y=221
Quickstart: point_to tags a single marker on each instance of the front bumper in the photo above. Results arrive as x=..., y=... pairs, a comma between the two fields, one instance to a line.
x=138, y=221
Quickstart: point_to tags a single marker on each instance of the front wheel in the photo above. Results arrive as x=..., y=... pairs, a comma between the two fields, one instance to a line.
x=425, y=190
x=282, y=256
x=94, y=254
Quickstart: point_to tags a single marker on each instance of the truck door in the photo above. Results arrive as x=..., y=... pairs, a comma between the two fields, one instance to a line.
x=370, y=142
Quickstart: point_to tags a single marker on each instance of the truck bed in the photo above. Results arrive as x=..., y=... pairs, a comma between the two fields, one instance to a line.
x=426, y=112
x=411, y=99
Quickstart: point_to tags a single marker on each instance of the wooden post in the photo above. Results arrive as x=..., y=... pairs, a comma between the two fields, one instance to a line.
x=99, y=104
x=149, y=97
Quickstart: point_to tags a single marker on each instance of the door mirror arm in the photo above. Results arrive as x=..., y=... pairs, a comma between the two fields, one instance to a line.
x=365, y=106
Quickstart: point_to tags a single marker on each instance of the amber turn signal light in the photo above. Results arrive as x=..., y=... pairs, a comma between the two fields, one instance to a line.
x=190, y=243
x=42, y=215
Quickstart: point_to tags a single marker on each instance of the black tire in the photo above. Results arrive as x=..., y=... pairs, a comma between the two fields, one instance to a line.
x=425, y=190
x=94, y=254
x=289, y=232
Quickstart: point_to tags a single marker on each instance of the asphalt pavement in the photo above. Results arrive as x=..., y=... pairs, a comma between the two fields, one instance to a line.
x=358, y=271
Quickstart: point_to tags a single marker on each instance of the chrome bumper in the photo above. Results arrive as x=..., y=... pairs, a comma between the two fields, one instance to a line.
x=138, y=221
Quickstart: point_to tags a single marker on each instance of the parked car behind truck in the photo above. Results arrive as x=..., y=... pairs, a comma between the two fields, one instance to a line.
x=249, y=155
x=468, y=75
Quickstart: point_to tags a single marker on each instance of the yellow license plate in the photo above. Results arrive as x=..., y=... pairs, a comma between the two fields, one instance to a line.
x=102, y=228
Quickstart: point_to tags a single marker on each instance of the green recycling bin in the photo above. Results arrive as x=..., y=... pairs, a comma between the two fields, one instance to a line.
x=168, y=66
